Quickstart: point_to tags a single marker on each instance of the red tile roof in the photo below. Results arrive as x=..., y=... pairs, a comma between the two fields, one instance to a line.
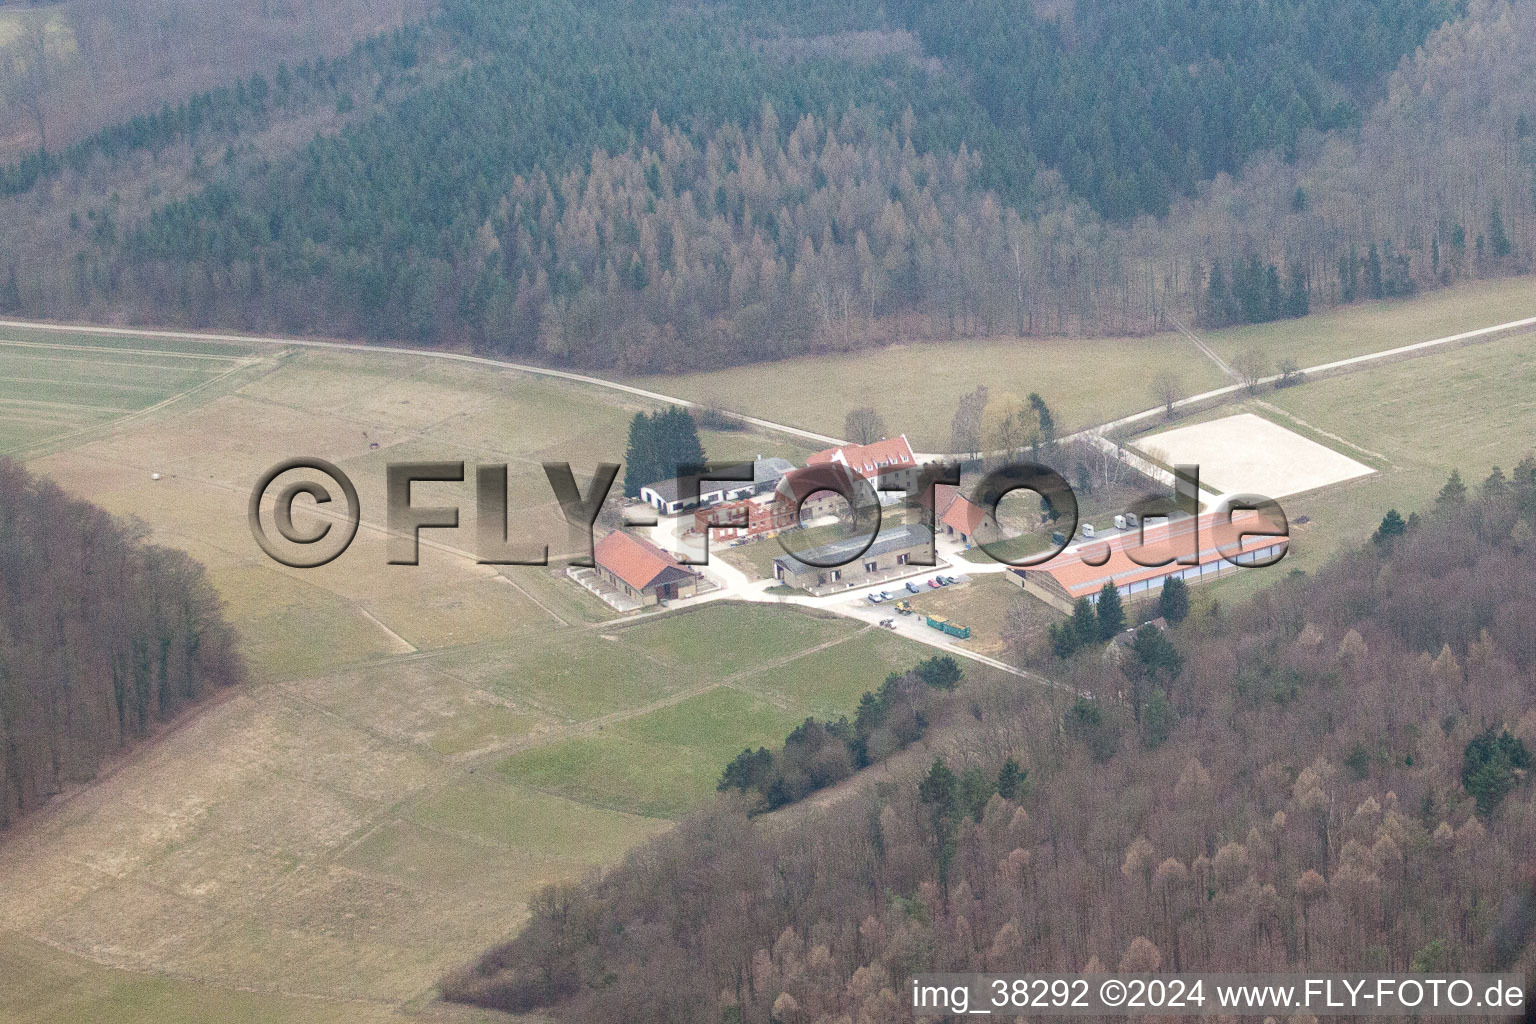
x=962, y=514
x=1079, y=579
x=798, y=484
x=869, y=459
x=633, y=559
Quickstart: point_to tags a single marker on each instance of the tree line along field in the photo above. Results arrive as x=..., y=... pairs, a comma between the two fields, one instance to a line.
x=420, y=748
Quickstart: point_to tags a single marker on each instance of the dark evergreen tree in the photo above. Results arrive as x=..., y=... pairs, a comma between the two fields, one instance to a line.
x=1157, y=720
x=1063, y=639
x=940, y=791
x=1392, y=526
x=975, y=789
x=677, y=440
x=941, y=672
x=1491, y=764
x=1046, y=420
x=1084, y=624
x=1454, y=492
x=642, y=455
x=1374, y=286
x=1010, y=780
x=1298, y=298
x=660, y=444
x=1111, y=612
x=1215, y=304
x=749, y=771
x=1155, y=653
x=1274, y=297
x=1086, y=722
x=1174, y=601
x=1498, y=239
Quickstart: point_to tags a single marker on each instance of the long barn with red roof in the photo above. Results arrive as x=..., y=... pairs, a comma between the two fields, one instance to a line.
x=1074, y=574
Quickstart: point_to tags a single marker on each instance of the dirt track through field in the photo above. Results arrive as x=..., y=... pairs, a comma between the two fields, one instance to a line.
x=1217, y=394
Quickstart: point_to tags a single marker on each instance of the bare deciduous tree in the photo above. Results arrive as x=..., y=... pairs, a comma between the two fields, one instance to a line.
x=863, y=425
x=1252, y=366
x=1017, y=633
x=965, y=430
x=1102, y=451
x=26, y=73
x=1167, y=389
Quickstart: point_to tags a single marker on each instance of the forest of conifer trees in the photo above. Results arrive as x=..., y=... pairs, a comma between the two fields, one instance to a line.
x=757, y=180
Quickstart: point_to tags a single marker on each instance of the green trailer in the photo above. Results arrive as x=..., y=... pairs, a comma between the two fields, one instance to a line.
x=943, y=625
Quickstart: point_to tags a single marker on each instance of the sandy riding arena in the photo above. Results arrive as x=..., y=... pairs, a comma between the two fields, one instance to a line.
x=1249, y=454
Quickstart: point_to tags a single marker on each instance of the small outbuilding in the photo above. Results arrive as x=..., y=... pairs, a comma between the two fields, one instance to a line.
x=666, y=496
x=642, y=570
x=961, y=518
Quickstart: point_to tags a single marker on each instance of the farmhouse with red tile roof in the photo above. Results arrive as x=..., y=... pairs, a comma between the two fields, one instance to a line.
x=890, y=458
x=641, y=569
x=960, y=517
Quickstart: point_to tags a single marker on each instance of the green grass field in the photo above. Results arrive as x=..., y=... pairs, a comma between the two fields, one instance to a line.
x=916, y=386
x=55, y=386
x=703, y=638
x=1468, y=409
x=1376, y=326
x=754, y=672
x=421, y=748
x=45, y=986
x=662, y=764
x=1085, y=380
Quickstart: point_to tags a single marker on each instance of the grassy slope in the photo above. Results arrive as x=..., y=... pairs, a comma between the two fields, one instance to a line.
x=1376, y=326
x=1086, y=380
x=351, y=825
x=916, y=386
x=43, y=984
x=54, y=386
